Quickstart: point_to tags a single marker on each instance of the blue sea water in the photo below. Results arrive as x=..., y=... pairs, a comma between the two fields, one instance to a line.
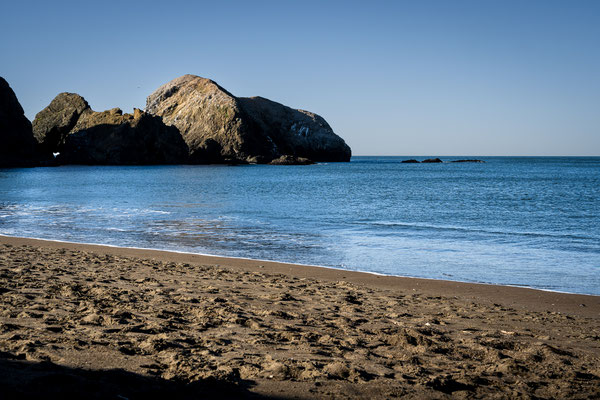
x=530, y=221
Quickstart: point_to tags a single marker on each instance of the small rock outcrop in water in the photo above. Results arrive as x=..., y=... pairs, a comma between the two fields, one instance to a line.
x=17, y=145
x=291, y=160
x=68, y=126
x=469, y=161
x=437, y=160
x=219, y=127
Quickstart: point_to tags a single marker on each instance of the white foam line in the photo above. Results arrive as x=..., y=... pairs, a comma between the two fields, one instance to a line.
x=296, y=264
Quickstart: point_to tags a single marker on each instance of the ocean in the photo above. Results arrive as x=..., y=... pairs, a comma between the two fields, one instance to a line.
x=524, y=221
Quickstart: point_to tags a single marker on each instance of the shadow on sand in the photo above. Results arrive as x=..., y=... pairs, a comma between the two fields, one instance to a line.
x=20, y=379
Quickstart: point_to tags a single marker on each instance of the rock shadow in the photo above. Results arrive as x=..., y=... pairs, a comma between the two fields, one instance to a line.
x=20, y=379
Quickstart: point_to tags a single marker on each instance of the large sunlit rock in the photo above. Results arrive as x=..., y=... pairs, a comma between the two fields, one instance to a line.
x=220, y=127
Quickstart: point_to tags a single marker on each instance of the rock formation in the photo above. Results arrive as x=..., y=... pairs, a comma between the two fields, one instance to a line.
x=219, y=127
x=291, y=160
x=209, y=118
x=17, y=145
x=297, y=132
x=188, y=120
x=437, y=160
x=68, y=126
x=52, y=125
x=469, y=161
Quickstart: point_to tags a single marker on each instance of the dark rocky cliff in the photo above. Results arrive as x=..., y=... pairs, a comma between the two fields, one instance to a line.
x=17, y=145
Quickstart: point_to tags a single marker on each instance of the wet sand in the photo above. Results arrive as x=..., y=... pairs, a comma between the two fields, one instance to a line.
x=128, y=323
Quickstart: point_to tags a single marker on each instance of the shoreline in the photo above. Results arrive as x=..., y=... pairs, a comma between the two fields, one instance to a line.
x=113, y=322
x=258, y=260
x=539, y=299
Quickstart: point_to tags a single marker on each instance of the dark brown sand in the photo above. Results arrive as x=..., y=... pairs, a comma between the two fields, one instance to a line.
x=125, y=323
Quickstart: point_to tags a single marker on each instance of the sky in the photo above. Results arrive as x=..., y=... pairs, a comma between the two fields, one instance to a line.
x=391, y=78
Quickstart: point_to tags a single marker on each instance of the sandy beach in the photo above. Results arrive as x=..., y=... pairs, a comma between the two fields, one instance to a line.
x=136, y=324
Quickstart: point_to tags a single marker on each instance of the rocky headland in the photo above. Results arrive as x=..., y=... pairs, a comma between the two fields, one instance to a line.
x=190, y=120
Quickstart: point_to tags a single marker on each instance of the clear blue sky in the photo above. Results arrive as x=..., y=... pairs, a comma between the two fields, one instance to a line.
x=392, y=78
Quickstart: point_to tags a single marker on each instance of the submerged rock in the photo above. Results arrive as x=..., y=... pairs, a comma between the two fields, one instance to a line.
x=220, y=128
x=432, y=160
x=291, y=160
x=17, y=145
x=411, y=161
